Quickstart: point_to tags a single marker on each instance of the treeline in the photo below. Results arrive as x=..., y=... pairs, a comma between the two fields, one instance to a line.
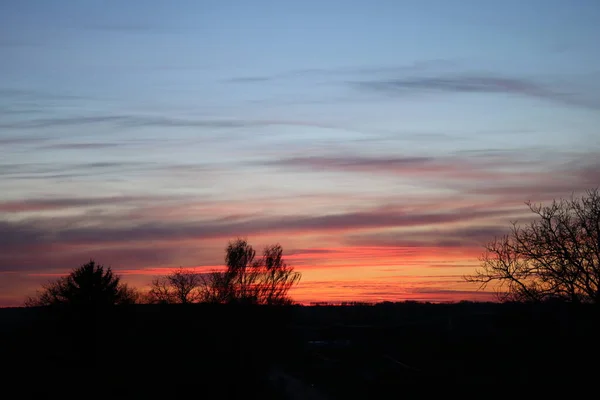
x=246, y=279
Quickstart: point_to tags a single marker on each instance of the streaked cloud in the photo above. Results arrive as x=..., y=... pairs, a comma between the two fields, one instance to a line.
x=15, y=140
x=81, y=146
x=495, y=172
x=36, y=170
x=223, y=227
x=475, y=236
x=147, y=120
x=337, y=73
x=478, y=83
x=91, y=169
x=47, y=204
x=378, y=290
x=130, y=27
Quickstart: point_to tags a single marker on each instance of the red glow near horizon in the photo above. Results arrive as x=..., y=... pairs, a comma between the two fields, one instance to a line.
x=339, y=274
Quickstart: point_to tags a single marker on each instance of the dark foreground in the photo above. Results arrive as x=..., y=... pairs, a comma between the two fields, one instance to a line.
x=384, y=351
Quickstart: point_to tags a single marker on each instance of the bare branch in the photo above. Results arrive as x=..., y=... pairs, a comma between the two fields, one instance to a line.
x=555, y=256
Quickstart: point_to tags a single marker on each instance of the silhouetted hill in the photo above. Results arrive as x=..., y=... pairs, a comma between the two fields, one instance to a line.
x=377, y=351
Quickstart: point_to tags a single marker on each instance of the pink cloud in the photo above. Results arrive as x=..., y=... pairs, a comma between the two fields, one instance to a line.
x=325, y=235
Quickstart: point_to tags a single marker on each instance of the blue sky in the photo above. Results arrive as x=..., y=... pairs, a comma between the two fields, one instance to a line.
x=112, y=113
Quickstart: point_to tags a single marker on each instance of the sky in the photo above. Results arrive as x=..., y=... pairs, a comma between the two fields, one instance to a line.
x=381, y=143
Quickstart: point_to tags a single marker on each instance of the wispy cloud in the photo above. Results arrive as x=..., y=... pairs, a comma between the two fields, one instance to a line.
x=34, y=170
x=22, y=140
x=9, y=93
x=482, y=84
x=103, y=168
x=47, y=204
x=477, y=83
x=437, y=167
x=249, y=79
x=491, y=172
x=377, y=290
x=77, y=231
x=148, y=120
x=337, y=73
x=441, y=76
x=303, y=252
x=81, y=146
x=485, y=198
x=350, y=162
x=474, y=236
x=130, y=27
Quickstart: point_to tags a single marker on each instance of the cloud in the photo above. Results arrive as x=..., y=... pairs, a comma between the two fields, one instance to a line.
x=141, y=120
x=385, y=290
x=376, y=218
x=442, y=167
x=303, y=252
x=357, y=162
x=417, y=66
x=477, y=84
x=59, y=122
x=20, y=237
x=19, y=234
x=60, y=262
x=545, y=185
x=482, y=173
x=249, y=79
x=47, y=170
x=22, y=140
x=473, y=83
x=130, y=28
x=47, y=204
x=81, y=146
x=441, y=77
x=449, y=237
x=35, y=95
x=109, y=170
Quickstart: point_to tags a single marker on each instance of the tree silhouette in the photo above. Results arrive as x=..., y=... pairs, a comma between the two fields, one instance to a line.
x=248, y=280
x=180, y=286
x=90, y=285
x=557, y=256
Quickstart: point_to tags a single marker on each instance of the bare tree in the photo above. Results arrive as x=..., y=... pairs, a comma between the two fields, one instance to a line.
x=160, y=291
x=278, y=277
x=217, y=287
x=248, y=280
x=555, y=256
x=89, y=285
x=181, y=286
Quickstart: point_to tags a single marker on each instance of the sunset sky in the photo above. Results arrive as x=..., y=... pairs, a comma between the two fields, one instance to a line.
x=381, y=143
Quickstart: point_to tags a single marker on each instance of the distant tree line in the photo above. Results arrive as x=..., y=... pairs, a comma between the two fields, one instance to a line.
x=246, y=279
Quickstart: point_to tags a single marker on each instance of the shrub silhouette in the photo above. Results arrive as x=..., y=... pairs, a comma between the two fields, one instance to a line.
x=90, y=285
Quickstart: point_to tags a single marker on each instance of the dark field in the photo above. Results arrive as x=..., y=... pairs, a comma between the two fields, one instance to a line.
x=322, y=352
